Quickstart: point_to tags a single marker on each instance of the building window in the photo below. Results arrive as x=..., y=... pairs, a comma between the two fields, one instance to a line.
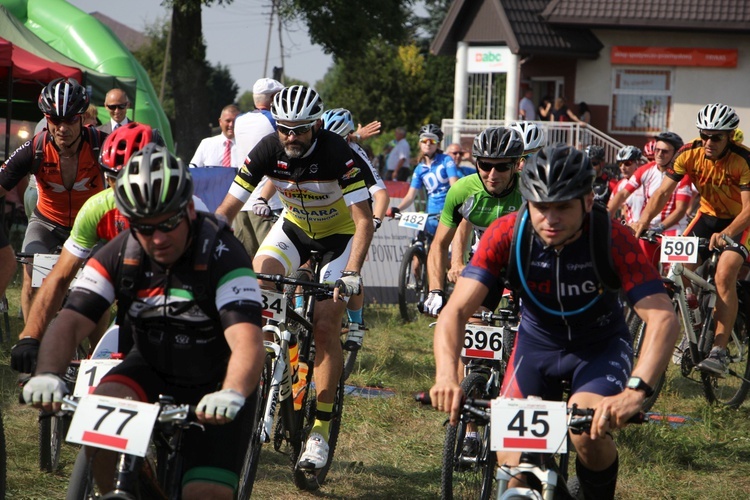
x=641, y=100
x=486, y=99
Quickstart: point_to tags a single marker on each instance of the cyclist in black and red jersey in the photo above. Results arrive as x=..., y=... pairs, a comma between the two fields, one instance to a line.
x=555, y=251
x=67, y=173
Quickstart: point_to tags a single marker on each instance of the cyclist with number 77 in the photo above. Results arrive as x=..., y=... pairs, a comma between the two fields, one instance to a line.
x=720, y=170
x=187, y=294
x=555, y=252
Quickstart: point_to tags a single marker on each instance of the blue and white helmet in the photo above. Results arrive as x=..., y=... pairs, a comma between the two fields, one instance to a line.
x=339, y=121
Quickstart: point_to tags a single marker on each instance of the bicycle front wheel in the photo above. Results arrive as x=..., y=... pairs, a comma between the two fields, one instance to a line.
x=412, y=282
x=468, y=475
x=51, y=435
x=254, y=426
x=731, y=390
x=81, y=483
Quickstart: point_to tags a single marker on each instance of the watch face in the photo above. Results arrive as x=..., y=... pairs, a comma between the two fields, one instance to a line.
x=633, y=383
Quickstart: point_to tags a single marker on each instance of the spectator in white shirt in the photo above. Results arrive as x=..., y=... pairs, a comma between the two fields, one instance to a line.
x=220, y=150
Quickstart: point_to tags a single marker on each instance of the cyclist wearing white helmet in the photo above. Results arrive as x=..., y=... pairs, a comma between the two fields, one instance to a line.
x=326, y=209
x=628, y=160
x=720, y=170
x=532, y=135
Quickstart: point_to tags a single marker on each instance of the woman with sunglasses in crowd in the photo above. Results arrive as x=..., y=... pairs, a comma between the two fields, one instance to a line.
x=65, y=161
x=436, y=173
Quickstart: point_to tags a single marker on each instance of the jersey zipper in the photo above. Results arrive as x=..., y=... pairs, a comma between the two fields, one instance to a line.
x=557, y=292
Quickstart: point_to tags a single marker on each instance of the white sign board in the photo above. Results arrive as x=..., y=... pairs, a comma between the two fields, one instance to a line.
x=489, y=59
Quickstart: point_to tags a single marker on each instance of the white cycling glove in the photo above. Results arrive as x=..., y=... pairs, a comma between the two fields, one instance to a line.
x=261, y=208
x=434, y=302
x=44, y=388
x=225, y=403
x=349, y=284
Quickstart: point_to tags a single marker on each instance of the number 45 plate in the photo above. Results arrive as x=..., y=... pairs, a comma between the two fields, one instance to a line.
x=528, y=425
x=113, y=424
x=683, y=249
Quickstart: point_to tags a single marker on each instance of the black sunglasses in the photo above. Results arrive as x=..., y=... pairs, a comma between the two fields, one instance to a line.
x=298, y=130
x=57, y=120
x=486, y=166
x=113, y=107
x=166, y=226
x=712, y=137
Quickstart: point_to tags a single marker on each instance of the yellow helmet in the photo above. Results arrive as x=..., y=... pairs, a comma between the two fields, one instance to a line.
x=738, y=136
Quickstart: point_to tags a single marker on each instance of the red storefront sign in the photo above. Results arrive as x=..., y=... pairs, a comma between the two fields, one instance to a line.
x=674, y=56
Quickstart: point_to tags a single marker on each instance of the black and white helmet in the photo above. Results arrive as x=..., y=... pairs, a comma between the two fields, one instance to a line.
x=629, y=153
x=152, y=183
x=63, y=98
x=532, y=134
x=339, y=121
x=595, y=152
x=431, y=129
x=297, y=104
x=498, y=142
x=557, y=173
x=717, y=117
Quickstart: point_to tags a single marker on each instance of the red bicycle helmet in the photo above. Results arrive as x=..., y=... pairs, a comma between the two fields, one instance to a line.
x=649, y=149
x=121, y=144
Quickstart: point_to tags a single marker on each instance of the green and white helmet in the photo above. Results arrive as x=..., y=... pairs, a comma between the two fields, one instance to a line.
x=153, y=182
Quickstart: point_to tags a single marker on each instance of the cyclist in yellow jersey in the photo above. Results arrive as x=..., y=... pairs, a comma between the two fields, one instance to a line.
x=326, y=201
x=720, y=170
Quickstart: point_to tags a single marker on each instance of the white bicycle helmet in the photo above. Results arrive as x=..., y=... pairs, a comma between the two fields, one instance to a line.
x=297, y=104
x=532, y=134
x=629, y=153
x=717, y=117
x=339, y=121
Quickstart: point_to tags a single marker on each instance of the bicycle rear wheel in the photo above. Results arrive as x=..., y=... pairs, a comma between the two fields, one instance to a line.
x=731, y=390
x=412, y=282
x=638, y=333
x=254, y=423
x=3, y=458
x=464, y=476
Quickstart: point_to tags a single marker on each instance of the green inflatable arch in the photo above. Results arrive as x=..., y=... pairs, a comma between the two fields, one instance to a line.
x=83, y=39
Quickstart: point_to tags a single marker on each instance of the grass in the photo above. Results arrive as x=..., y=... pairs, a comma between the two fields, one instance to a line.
x=391, y=447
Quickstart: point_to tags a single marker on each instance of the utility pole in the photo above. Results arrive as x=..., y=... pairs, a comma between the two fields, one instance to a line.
x=268, y=39
x=281, y=49
x=166, y=63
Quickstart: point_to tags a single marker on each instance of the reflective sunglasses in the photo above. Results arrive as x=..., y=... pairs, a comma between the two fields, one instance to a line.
x=57, y=120
x=486, y=166
x=113, y=107
x=298, y=130
x=428, y=141
x=166, y=226
x=712, y=137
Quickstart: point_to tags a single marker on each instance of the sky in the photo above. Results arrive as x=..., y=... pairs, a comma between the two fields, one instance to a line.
x=235, y=36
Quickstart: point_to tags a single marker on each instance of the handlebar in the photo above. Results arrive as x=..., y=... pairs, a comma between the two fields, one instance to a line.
x=284, y=280
x=170, y=413
x=500, y=315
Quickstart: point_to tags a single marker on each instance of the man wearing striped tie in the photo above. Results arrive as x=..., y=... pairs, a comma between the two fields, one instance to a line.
x=220, y=150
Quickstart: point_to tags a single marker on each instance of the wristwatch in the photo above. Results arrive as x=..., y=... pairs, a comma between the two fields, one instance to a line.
x=637, y=384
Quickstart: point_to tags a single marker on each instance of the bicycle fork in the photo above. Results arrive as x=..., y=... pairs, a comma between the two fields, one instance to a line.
x=281, y=379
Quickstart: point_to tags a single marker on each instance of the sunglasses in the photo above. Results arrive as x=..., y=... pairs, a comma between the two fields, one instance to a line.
x=428, y=141
x=596, y=163
x=57, y=120
x=456, y=153
x=661, y=151
x=113, y=107
x=166, y=226
x=627, y=163
x=486, y=166
x=712, y=137
x=298, y=130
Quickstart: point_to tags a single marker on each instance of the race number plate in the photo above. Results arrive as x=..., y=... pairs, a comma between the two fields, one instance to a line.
x=483, y=342
x=113, y=424
x=42, y=266
x=528, y=425
x=413, y=220
x=274, y=305
x=90, y=373
x=682, y=249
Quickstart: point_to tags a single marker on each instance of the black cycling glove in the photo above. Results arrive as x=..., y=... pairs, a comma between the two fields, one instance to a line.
x=23, y=355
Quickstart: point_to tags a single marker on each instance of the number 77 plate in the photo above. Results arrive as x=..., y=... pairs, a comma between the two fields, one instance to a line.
x=113, y=424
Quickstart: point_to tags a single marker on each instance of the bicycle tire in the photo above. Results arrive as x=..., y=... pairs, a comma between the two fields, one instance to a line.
x=3, y=459
x=730, y=391
x=254, y=420
x=312, y=481
x=638, y=330
x=459, y=480
x=81, y=482
x=412, y=288
x=51, y=435
x=350, y=357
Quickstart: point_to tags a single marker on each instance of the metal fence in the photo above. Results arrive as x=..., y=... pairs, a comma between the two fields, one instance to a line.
x=574, y=134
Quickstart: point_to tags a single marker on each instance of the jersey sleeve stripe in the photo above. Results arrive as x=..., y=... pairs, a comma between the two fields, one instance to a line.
x=239, y=285
x=235, y=273
x=96, y=279
x=240, y=189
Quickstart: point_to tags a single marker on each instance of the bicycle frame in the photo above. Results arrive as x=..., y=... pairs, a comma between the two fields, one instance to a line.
x=676, y=272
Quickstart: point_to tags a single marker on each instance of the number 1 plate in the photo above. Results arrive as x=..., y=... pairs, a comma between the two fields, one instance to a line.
x=682, y=249
x=90, y=373
x=529, y=425
x=483, y=342
x=413, y=220
x=113, y=424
